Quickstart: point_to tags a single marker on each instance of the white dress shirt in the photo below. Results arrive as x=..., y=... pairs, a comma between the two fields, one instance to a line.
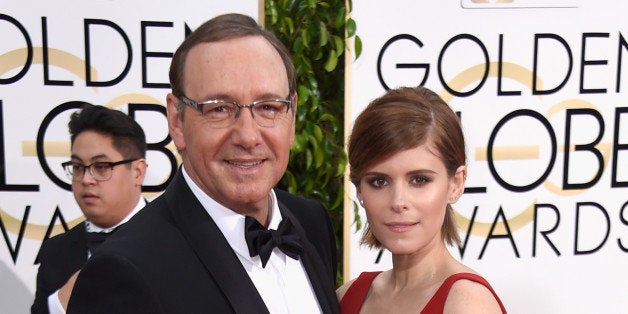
x=54, y=304
x=283, y=284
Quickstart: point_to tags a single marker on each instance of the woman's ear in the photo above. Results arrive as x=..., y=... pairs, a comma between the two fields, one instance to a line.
x=457, y=184
x=361, y=201
x=359, y=195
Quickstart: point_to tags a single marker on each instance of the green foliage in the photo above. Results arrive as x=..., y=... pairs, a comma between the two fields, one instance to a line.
x=315, y=31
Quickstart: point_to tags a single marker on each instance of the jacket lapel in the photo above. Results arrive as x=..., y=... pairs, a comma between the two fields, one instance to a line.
x=314, y=267
x=211, y=247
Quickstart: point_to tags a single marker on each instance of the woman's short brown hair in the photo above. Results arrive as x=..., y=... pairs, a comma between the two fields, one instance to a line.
x=402, y=119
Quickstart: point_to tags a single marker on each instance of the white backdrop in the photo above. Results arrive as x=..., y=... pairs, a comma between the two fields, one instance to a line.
x=54, y=55
x=546, y=201
x=569, y=257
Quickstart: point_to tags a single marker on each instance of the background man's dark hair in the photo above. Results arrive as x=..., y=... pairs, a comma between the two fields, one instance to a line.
x=127, y=135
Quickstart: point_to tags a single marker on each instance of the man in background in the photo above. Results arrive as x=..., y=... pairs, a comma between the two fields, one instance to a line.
x=107, y=168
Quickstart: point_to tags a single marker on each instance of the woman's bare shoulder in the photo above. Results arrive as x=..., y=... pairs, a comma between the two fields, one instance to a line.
x=467, y=296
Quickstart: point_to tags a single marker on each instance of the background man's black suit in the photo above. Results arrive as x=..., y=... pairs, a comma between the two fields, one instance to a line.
x=60, y=257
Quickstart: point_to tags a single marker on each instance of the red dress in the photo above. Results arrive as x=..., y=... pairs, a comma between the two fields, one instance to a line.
x=354, y=297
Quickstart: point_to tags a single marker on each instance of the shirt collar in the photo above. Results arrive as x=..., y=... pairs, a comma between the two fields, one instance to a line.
x=91, y=227
x=230, y=223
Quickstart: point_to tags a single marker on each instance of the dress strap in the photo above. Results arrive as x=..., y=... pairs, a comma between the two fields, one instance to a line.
x=437, y=302
x=354, y=297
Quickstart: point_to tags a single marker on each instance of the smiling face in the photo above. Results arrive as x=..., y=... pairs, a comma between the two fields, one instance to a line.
x=105, y=203
x=238, y=165
x=405, y=198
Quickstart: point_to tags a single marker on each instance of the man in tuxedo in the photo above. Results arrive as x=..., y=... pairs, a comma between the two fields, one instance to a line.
x=231, y=115
x=107, y=168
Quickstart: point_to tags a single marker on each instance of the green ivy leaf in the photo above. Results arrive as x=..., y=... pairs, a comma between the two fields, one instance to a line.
x=304, y=93
x=340, y=18
x=356, y=216
x=299, y=143
x=351, y=27
x=358, y=46
x=292, y=182
x=327, y=117
x=289, y=23
x=324, y=35
x=297, y=46
x=313, y=143
x=340, y=44
x=332, y=61
x=318, y=55
x=318, y=133
x=305, y=39
x=341, y=170
x=308, y=159
x=319, y=157
x=271, y=10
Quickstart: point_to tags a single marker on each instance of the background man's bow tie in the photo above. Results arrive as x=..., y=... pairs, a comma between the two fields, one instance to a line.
x=94, y=239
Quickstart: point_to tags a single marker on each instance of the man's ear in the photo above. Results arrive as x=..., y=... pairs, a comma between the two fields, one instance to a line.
x=295, y=101
x=175, y=121
x=139, y=171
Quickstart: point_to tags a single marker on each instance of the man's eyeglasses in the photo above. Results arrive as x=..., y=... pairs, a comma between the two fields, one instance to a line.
x=100, y=170
x=223, y=113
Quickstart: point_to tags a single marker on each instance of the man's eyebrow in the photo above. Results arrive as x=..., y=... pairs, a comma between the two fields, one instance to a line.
x=94, y=158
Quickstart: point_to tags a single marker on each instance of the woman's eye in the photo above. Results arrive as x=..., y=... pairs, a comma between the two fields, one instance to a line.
x=419, y=180
x=377, y=182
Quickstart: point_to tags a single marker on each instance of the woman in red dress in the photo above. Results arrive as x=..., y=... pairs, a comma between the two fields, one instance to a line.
x=408, y=164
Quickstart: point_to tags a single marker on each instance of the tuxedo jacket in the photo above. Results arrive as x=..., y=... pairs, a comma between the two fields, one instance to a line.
x=59, y=258
x=172, y=258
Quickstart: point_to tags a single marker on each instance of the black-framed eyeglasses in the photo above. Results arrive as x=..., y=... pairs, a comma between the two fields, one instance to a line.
x=100, y=170
x=223, y=113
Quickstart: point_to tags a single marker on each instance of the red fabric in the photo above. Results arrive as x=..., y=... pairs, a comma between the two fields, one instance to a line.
x=355, y=295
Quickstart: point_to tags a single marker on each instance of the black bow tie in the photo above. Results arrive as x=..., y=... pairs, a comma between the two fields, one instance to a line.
x=261, y=241
x=94, y=239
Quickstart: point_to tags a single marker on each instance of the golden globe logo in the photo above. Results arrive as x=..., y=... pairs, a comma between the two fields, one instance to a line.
x=545, y=160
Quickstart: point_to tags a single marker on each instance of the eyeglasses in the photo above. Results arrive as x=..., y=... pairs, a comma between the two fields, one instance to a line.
x=223, y=113
x=100, y=170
